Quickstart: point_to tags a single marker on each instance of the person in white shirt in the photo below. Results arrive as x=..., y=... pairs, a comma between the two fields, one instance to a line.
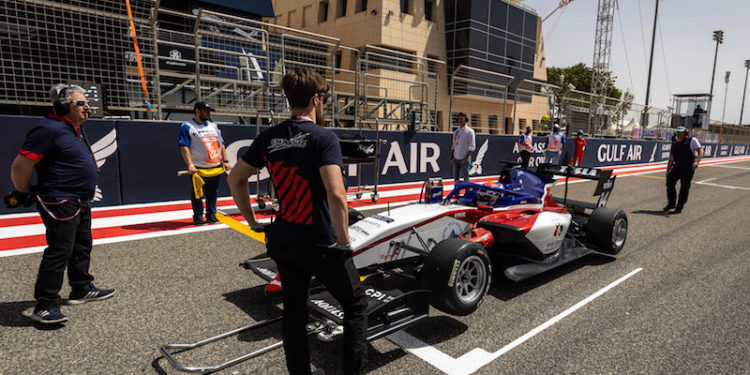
x=555, y=143
x=463, y=146
x=525, y=147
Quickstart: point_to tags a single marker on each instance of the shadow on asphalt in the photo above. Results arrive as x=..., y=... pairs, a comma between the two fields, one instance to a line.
x=16, y=314
x=505, y=289
x=160, y=226
x=652, y=212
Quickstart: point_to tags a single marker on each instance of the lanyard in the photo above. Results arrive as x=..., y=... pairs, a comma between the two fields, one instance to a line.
x=300, y=118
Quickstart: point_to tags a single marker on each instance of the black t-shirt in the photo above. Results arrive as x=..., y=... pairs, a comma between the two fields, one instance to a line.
x=66, y=169
x=294, y=152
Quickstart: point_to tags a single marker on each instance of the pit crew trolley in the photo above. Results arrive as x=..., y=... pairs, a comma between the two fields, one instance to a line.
x=358, y=151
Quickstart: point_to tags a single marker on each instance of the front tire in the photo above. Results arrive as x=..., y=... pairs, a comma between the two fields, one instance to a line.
x=458, y=273
x=608, y=229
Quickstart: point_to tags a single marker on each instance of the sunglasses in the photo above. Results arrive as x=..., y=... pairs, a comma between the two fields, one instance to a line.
x=80, y=103
x=325, y=96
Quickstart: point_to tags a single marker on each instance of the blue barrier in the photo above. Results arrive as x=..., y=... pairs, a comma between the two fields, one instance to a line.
x=142, y=166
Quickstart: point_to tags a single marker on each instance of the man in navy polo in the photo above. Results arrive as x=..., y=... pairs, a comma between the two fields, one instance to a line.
x=66, y=181
x=685, y=155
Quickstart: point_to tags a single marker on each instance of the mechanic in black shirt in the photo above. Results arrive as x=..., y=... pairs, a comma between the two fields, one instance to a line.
x=66, y=181
x=681, y=166
x=308, y=238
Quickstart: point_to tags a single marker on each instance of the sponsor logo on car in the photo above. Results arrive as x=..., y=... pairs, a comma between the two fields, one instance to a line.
x=383, y=218
x=379, y=296
x=327, y=307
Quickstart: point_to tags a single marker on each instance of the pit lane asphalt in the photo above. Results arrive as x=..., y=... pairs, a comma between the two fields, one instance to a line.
x=686, y=312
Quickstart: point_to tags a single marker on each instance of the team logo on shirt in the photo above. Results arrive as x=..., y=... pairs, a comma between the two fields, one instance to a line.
x=279, y=144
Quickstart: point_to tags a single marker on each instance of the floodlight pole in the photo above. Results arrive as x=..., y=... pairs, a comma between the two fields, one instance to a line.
x=744, y=91
x=644, y=117
x=719, y=38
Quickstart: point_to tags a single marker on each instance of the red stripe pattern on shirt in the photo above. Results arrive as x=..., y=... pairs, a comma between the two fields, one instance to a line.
x=295, y=201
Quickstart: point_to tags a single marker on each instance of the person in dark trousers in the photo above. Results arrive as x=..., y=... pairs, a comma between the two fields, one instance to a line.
x=203, y=151
x=66, y=181
x=310, y=235
x=525, y=145
x=684, y=158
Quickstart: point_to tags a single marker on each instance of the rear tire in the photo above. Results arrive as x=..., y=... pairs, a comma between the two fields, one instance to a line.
x=458, y=273
x=608, y=229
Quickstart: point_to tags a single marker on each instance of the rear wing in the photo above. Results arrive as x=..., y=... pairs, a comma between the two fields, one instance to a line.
x=606, y=182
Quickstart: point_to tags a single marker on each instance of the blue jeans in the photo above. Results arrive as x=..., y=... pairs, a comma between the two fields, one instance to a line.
x=210, y=189
x=460, y=170
x=551, y=156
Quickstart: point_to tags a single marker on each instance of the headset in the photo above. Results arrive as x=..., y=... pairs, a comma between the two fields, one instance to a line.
x=61, y=106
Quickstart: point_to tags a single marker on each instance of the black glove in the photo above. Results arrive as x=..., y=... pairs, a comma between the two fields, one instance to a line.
x=16, y=199
x=258, y=227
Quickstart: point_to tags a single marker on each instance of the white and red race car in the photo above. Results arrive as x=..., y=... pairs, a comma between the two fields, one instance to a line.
x=444, y=243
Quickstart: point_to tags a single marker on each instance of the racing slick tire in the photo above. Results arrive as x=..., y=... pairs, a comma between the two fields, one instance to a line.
x=607, y=229
x=458, y=274
x=355, y=216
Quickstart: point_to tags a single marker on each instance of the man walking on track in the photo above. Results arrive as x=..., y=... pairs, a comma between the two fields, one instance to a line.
x=310, y=236
x=681, y=166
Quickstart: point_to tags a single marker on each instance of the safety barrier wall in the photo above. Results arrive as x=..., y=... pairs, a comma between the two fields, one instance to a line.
x=140, y=160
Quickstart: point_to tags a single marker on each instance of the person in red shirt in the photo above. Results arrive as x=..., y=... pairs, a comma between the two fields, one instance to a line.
x=580, y=147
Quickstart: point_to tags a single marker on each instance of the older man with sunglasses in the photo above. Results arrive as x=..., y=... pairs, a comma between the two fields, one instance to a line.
x=66, y=180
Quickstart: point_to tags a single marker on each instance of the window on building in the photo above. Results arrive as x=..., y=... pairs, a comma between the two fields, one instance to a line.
x=431, y=65
x=400, y=62
x=534, y=125
x=405, y=6
x=476, y=122
x=361, y=6
x=306, y=15
x=291, y=18
x=492, y=124
x=521, y=125
x=508, y=125
x=341, y=8
x=323, y=12
x=428, y=10
x=338, y=60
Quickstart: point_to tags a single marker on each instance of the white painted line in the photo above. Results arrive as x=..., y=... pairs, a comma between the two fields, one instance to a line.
x=478, y=358
x=708, y=179
x=722, y=186
x=729, y=166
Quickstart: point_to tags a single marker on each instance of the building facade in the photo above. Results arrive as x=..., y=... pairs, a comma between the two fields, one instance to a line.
x=489, y=48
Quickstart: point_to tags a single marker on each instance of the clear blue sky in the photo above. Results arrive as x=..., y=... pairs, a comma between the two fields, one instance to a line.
x=682, y=65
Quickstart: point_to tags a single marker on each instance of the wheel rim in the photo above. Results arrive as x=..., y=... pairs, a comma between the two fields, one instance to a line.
x=471, y=279
x=621, y=232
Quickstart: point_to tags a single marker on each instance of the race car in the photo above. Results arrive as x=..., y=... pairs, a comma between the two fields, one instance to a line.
x=437, y=251
x=444, y=243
